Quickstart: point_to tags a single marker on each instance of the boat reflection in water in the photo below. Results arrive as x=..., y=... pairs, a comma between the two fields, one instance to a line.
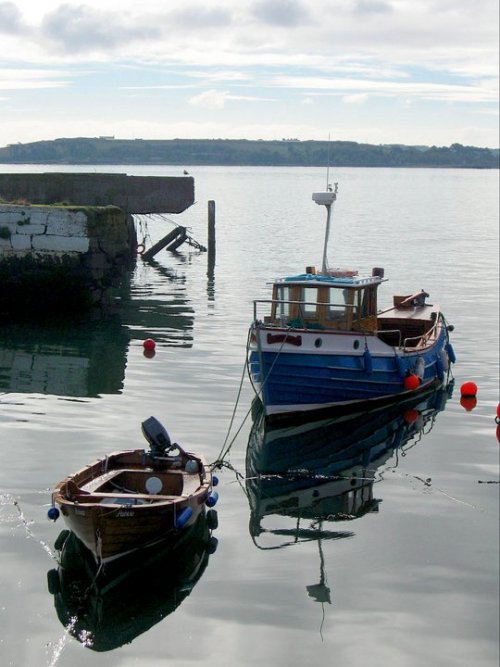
x=108, y=607
x=324, y=471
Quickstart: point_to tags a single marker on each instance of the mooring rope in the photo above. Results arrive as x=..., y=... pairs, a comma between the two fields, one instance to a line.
x=225, y=449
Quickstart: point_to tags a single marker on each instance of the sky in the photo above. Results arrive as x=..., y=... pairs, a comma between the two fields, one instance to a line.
x=415, y=72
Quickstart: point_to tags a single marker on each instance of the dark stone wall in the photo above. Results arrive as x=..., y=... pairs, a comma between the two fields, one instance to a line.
x=133, y=194
x=43, y=276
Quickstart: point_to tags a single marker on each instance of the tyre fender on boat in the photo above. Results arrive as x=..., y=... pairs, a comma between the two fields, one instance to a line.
x=451, y=352
x=445, y=360
x=401, y=367
x=367, y=361
x=420, y=368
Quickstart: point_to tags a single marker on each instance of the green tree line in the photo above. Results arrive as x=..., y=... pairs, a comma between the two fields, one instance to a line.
x=186, y=152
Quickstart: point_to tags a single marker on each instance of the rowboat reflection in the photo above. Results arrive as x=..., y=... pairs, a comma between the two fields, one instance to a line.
x=104, y=608
x=325, y=470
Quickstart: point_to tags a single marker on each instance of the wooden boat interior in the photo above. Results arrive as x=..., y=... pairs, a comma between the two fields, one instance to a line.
x=409, y=323
x=144, y=485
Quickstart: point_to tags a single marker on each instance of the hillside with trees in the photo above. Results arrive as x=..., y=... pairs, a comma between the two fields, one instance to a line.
x=287, y=152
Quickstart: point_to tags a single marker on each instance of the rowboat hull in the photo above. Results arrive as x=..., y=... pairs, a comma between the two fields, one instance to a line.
x=110, y=509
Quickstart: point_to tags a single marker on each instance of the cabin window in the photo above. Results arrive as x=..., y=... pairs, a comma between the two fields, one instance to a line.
x=309, y=298
x=338, y=304
x=281, y=309
x=367, y=302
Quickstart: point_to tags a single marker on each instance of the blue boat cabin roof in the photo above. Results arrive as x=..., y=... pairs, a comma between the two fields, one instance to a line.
x=332, y=280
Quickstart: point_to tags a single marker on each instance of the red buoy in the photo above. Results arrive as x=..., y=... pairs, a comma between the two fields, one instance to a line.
x=468, y=402
x=411, y=382
x=149, y=344
x=497, y=418
x=468, y=389
x=411, y=415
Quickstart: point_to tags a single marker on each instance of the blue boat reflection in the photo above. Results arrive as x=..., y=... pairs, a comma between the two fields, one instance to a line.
x=104, y=608
x=325, y=471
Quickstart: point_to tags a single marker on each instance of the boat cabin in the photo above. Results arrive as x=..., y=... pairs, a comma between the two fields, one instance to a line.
x=337, y=300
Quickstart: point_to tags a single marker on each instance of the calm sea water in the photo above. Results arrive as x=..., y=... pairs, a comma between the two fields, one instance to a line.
x=413, y=582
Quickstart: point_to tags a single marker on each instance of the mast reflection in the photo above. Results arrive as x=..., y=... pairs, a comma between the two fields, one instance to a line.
x=306, y=481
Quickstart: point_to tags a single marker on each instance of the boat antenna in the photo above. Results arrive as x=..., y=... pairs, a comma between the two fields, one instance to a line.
x=328, y=162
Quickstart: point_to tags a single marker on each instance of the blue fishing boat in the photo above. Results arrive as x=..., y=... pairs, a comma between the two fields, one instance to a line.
x=321, y=342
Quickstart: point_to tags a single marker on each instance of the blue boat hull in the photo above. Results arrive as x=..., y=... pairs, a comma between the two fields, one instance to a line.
x=292, y=381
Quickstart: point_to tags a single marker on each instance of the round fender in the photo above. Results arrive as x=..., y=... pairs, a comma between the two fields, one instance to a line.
x=212, y=519
x=53, y=583
x=183, y=517
x=61, y=539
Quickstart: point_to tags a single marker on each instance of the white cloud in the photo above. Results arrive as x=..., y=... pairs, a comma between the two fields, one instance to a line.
x=360, y=98
x=210, y=99
x=11, y=18
x=424, y=90
x=281, y=13
x=373, y=7
x=80, y=28
x=17, y=79
x=216, y=99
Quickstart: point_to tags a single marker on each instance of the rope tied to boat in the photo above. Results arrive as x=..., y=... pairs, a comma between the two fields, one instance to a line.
x=225, y=449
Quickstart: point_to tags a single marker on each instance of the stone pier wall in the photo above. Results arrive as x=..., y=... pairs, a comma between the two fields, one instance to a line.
x=133, y=194
x=48, y=252
x=65, y=238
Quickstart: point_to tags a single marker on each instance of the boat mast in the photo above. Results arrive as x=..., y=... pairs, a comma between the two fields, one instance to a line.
x=326, y=199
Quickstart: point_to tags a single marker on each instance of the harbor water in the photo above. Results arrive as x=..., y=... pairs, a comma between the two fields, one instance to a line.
x=404, y=572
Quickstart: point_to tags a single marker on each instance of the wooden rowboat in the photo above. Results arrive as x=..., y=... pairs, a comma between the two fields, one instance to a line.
x=134, y=499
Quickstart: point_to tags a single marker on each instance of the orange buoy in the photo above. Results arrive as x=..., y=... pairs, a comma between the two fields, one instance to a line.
x=468, y=389
x=149, y=344
x=468, y=402
x=411, y=382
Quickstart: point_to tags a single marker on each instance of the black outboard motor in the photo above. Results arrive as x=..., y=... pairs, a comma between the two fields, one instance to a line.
x=157, y=436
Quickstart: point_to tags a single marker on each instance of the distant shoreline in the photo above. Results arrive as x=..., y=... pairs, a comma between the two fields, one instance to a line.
x=242, y=152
